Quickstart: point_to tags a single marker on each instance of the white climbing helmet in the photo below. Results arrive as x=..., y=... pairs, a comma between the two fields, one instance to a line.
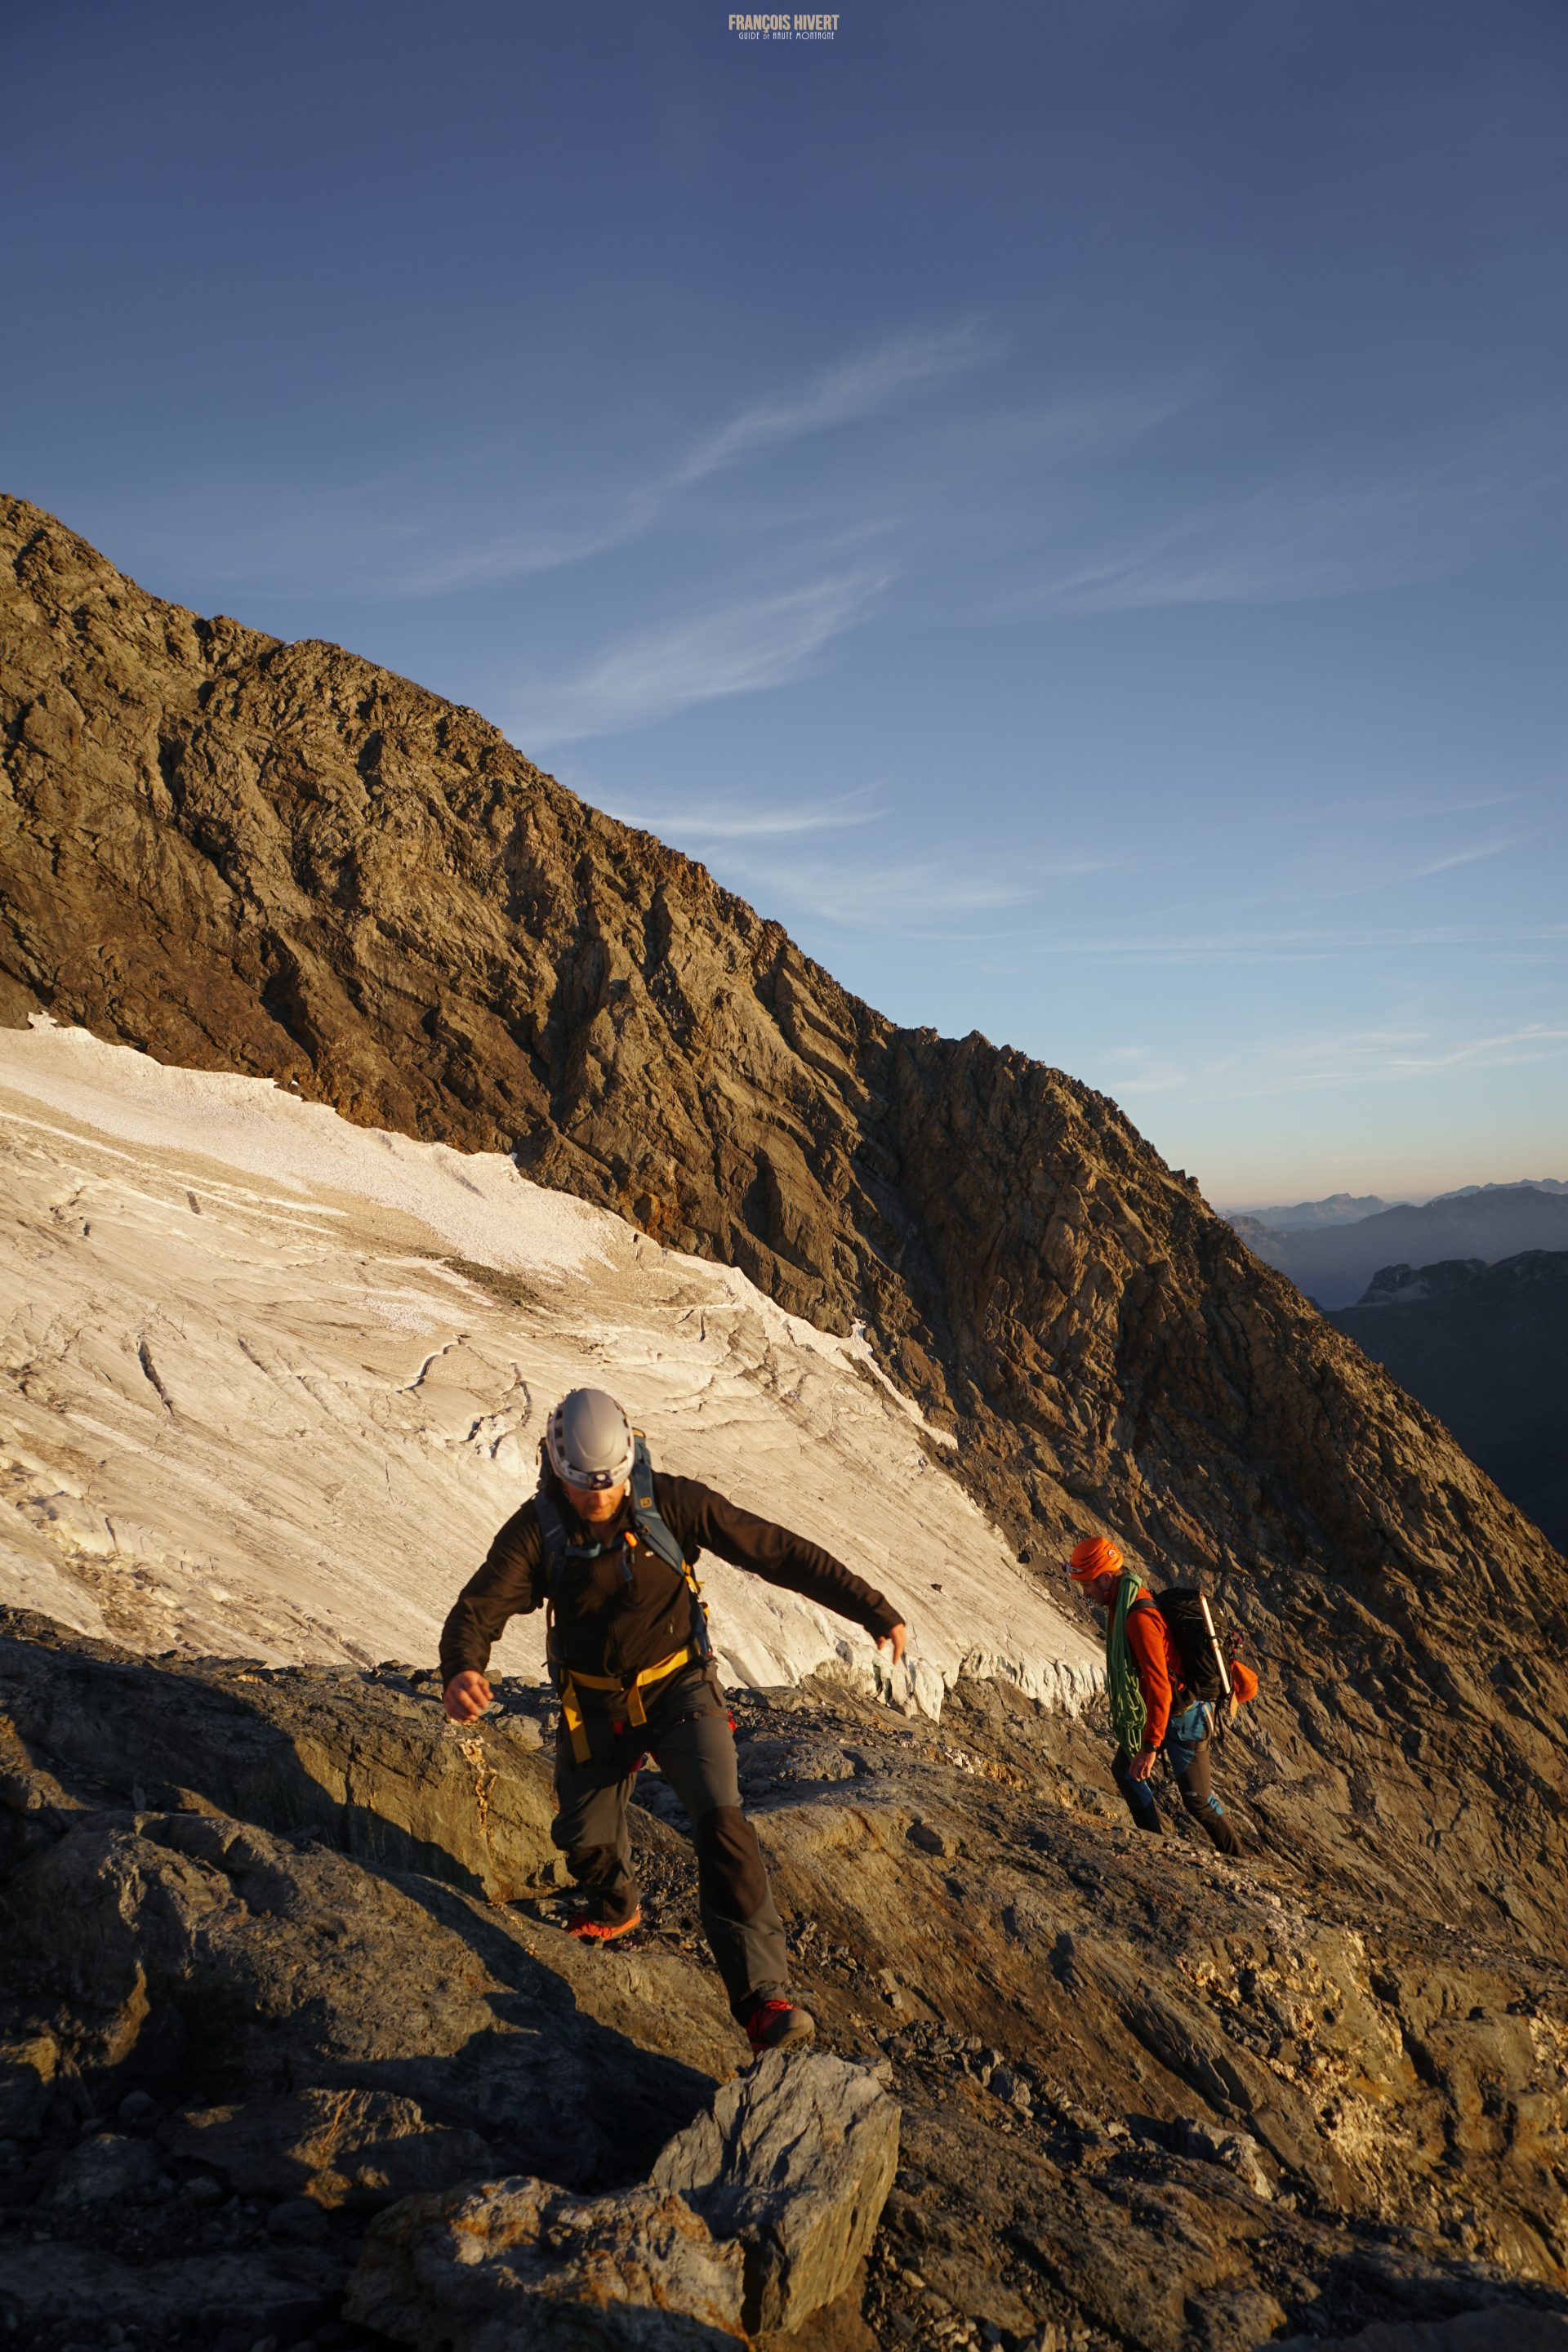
x=589, y=1440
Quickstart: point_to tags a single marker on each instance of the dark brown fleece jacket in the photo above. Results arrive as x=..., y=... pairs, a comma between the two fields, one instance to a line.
x=610, y=1622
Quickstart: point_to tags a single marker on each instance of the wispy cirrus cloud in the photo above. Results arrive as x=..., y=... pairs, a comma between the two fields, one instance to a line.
x=1308, y=1062
x=398, y=533
x=1372, y=810
x=738, y=649
x=1304, y=944
x=853, y=391
x=865, y=385
x=731, y=821
x=1474, y=855
x=927, y=898
x=1292, y=526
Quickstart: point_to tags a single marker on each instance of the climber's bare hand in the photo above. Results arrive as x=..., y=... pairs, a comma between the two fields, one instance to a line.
x=898, y=1636
x=467, y=1695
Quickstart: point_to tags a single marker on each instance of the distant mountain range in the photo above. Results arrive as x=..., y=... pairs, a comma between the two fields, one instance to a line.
x=1538, y=1183
x=1338, y=1209
x=1349, y=1208
x=1486, y=1349
x=1334, y=1264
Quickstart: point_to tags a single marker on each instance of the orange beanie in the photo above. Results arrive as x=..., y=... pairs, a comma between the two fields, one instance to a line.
x=1096, y=1555
x=1243, y=1681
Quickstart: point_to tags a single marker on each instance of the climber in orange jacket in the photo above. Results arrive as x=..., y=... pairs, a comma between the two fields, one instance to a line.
x=1179, y=1716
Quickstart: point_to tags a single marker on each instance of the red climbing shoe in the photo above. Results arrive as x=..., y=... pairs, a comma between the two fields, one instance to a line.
x=589, y=1930
x=778, y=2025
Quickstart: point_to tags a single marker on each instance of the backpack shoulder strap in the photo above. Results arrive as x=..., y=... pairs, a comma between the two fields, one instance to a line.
x=655, y=1532
x=553, y=1541
x=647, y=1517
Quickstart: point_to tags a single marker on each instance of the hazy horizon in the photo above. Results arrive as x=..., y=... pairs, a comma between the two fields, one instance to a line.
x=1066, y=513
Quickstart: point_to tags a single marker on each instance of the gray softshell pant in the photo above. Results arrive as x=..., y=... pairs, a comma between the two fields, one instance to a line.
x=689, y=1736
x=1186, y=1751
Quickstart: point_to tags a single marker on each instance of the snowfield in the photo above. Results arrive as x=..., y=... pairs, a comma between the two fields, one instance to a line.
x=271, y=1382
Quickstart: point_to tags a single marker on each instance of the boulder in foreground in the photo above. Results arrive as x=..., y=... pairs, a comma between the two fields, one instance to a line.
x=795, y=2160
x=758, y=2213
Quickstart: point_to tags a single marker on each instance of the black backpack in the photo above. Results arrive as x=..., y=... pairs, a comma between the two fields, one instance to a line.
x=1190, y=1625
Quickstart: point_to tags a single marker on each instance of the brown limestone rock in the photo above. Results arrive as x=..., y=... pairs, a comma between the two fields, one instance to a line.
x=407, y=1790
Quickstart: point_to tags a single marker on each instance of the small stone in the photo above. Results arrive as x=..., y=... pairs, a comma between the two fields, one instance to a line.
x=204, y=2189
x=297, y=2221
x=138, y=2107
x=931, y=1840
x=105, y=2169
x=1243, y=2156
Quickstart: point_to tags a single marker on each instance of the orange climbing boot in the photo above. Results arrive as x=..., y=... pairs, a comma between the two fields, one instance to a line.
x=589, y=1930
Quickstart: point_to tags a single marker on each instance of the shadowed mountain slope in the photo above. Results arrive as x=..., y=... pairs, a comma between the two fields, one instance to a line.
x=278, y=859
x=1486, y=1349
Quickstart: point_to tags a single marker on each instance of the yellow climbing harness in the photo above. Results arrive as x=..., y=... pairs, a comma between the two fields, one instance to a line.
x=631, y=1687
x=650, y=1530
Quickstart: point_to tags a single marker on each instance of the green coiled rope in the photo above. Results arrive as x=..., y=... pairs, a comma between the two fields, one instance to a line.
x=1128, y=1715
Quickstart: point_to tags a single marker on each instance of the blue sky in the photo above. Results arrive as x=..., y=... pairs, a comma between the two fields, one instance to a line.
x=1064, y=505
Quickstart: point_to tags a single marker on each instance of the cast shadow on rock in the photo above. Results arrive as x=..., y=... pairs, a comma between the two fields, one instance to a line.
x=294, y=1798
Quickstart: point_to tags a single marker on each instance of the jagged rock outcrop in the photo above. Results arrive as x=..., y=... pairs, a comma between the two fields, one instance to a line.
x=794, y=2162
x=277, y=858
x=1148, y=2100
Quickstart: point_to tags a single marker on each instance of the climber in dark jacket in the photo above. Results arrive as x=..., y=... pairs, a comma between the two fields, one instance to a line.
x=629, y=1657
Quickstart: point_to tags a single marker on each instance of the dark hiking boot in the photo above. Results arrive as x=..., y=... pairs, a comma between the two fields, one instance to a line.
x=589, y=1930
x=779, y=2025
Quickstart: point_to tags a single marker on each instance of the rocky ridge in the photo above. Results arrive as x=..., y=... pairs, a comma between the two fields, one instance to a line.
x=245, y=855
x=290, y=2005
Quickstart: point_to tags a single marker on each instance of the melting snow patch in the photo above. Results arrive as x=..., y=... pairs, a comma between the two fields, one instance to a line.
x=262, y=1412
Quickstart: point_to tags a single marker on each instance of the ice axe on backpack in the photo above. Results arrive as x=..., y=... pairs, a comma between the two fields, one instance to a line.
x=1219, y=1657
